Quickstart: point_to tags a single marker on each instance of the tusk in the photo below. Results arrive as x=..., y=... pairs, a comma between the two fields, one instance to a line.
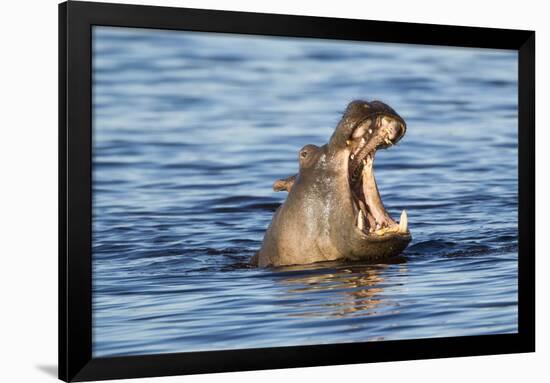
x=403, y=222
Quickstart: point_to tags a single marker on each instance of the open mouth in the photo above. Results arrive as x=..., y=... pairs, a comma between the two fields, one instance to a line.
x=378, y=131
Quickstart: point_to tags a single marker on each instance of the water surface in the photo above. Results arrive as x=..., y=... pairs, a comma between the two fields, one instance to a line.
x=191, y=130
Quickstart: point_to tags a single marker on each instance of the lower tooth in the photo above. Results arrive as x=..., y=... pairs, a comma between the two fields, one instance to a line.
x=403, y=222
x=360, y=220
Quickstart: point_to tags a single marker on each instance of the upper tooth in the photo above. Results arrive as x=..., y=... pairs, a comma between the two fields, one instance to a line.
x=403, y=222
x=388, y=141
x=352, y=155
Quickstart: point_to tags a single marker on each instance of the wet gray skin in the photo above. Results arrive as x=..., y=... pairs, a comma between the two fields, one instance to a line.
x=333, y=209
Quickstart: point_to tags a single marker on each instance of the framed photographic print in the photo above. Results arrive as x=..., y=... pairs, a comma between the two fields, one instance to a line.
x=246, y=191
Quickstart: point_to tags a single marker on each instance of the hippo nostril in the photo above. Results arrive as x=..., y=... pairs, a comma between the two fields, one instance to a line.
x=392, y=128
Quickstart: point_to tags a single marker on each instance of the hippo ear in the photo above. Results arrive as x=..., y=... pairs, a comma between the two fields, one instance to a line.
x=284, y=184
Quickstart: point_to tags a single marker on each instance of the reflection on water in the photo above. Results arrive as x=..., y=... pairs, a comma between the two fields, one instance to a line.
x=189, y=133
x=358, y=288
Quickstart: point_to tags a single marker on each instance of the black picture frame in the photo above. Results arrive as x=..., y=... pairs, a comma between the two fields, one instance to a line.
x=75, y=262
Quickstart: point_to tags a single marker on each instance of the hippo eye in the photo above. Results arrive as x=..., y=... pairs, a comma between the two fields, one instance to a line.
x=303, y=154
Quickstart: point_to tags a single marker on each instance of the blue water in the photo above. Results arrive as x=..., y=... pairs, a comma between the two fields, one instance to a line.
x=191, y=129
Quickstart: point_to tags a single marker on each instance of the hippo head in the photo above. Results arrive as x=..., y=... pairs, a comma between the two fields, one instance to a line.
x=333, y=209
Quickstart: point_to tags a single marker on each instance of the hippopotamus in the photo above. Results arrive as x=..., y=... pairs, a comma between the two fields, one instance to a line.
x=333, y=210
